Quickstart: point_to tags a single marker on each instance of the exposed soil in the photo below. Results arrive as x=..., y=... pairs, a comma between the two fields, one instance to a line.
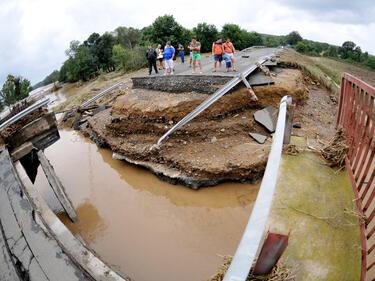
x=215, y=146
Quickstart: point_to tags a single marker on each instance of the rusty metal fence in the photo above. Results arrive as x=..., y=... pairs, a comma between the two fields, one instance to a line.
x=356, y=117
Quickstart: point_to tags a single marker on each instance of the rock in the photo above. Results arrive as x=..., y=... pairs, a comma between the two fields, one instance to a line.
x=171, y=122
x=297, y=125
x=222, y=130
x=98, y=109
x=258, y=137
x=185, y=142
x=267, y=118
x=204, y=137
x=213, y=139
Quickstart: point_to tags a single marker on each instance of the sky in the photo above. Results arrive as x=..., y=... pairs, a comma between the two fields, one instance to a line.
x=34, y=34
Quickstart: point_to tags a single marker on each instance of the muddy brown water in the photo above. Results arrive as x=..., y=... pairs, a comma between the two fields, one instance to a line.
x=145, y=228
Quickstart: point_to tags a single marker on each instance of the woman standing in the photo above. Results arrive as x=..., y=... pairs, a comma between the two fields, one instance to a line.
x=160, y=56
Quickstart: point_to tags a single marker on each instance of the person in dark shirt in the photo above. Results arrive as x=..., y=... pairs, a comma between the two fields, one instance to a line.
x=151, y=58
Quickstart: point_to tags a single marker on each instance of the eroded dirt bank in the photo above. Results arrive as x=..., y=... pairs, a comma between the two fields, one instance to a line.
x=215, y=146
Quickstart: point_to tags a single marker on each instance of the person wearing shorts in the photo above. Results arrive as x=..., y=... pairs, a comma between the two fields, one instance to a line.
x=228, y=62
x=159, y=52
x=195, y=48
x=217, y=52
x=169, y=53
x=191, y=54
x=229, y=49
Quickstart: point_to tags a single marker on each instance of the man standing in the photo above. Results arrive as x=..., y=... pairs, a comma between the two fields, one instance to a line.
x=151, y=58
x=229, y=49
x=195, y=48
x=217, y=52
x=181, y=52
x=169, y=53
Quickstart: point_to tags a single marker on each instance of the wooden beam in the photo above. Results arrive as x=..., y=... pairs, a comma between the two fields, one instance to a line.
x=57, y=186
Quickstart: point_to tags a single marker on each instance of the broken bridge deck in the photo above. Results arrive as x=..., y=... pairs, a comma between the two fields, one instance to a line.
x=205, y=82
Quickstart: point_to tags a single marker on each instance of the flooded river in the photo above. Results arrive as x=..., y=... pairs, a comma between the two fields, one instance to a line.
x=142, y=227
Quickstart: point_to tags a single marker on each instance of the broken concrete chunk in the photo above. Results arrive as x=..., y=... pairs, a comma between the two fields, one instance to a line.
x=98, y=109
x=267, y=118
x=258, y=137
x=259, y=79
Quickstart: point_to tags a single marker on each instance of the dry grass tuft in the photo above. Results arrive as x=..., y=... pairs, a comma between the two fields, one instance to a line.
x=335, y=151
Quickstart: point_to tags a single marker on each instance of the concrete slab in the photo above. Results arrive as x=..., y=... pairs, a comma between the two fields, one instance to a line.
x=267, y=117
x=7, y=267
x=259, y=79
x=259, y=138
x=55, y=264
x=316, y=203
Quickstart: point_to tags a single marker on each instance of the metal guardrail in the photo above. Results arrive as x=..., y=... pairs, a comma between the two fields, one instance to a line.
x=102, y=94
x=24, y=112
x=356, y=117
x=248, y=247
x=211, y=99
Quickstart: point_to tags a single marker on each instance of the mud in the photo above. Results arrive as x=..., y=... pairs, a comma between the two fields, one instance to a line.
x=215, y=147
x=141, y=226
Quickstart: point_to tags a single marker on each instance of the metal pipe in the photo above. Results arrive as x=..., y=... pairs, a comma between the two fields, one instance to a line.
x=101, y=94
x=211, y=99
x=24, y=112
x=248, y=247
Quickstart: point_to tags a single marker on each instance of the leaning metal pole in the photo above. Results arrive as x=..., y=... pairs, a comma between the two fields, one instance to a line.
x=211, y=99
x=248, y=247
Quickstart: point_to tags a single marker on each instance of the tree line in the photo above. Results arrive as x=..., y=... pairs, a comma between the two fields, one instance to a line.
x=124, y=49
x=349, y=52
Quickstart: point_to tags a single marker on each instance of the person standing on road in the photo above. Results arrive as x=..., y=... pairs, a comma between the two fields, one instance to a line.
x=151, y=58
x=159, y=52
x=217, y=52
x=169, y=54
x=191, y=54
x=181, y=52
x=195, y=48
x=229, y=49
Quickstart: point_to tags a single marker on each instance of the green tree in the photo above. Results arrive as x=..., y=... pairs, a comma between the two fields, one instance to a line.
x=346, y=51
x=301, y=47
x=370, y=62
x=235, y=34
x=206, y=35
x=14, y=89
x=252, y=39
x=332, y=51
x=128, y=37
x=293, y=38
x=164, y=28
x=120, y=57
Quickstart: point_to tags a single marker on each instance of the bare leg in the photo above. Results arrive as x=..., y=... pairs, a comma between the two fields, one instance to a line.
x=215, y=63
x=219, y=66
x=234, y=67
x=200, y=65
x=194, y=65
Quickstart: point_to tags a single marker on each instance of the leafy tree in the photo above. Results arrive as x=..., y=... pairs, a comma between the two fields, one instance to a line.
x=332, y=51
x=347, y=49
x=235, y=34
x=163, y=29
x=14, y=89
x=120, y=57
x=370, y=62
x=128, y=37
x=293, y=38
x=301, y=47
x=206, y=35
x=252, y=39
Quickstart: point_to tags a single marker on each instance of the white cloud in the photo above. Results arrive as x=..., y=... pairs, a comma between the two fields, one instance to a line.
x=35, y=34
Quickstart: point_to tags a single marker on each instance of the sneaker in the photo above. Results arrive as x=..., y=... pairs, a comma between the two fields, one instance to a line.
x=193, y=72
x=200, y=72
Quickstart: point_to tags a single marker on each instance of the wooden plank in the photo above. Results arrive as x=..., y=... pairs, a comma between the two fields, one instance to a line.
x=21, y=151
x=57, y=186
x=55, y=264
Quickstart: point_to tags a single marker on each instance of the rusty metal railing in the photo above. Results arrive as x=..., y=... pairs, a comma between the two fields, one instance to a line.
x=356, y=117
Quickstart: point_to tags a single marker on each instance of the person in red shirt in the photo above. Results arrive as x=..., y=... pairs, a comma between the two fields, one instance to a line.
x=230, y=50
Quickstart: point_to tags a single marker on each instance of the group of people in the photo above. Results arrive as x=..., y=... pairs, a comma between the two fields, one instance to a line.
x=221, y=51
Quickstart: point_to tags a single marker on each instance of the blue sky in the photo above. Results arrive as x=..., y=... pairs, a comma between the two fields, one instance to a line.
x=34, y=34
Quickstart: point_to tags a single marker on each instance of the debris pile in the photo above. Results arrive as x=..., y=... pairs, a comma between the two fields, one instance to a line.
x=335, y=151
